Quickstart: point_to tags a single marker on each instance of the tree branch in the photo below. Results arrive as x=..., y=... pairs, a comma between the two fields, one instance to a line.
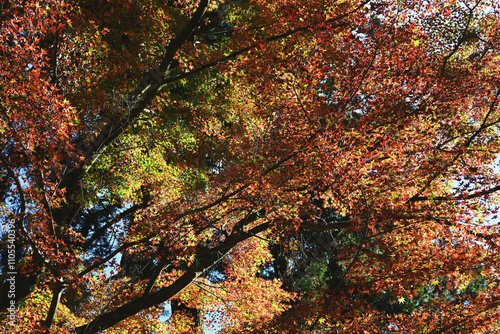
x=317, y=26
x=468, y=143
x=204, y=261
x=56, y=298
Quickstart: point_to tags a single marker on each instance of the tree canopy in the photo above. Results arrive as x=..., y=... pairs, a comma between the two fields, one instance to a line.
x=260, y=166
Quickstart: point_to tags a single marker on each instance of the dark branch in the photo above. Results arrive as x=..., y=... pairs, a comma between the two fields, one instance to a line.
x=199, y=267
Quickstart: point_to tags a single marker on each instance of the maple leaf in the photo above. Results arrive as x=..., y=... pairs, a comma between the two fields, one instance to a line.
x=291, y=166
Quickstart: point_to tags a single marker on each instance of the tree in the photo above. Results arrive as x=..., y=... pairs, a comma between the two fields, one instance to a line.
x=308, y=266
x=189, y=136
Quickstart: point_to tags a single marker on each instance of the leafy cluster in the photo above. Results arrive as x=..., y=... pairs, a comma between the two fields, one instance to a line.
x=258, y=166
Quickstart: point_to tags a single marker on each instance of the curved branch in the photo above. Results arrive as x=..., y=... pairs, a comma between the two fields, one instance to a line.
x=20, y=220
x=468, y=143
x=22, y=199
x=200, y=265
x=138, y=100
x=465, y=36
x=97, y=264
x=316, y=26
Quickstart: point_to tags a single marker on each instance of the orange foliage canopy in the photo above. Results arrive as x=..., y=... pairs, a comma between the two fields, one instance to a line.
x=190, y=135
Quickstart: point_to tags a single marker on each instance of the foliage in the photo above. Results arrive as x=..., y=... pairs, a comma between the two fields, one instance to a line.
x=158, y=152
